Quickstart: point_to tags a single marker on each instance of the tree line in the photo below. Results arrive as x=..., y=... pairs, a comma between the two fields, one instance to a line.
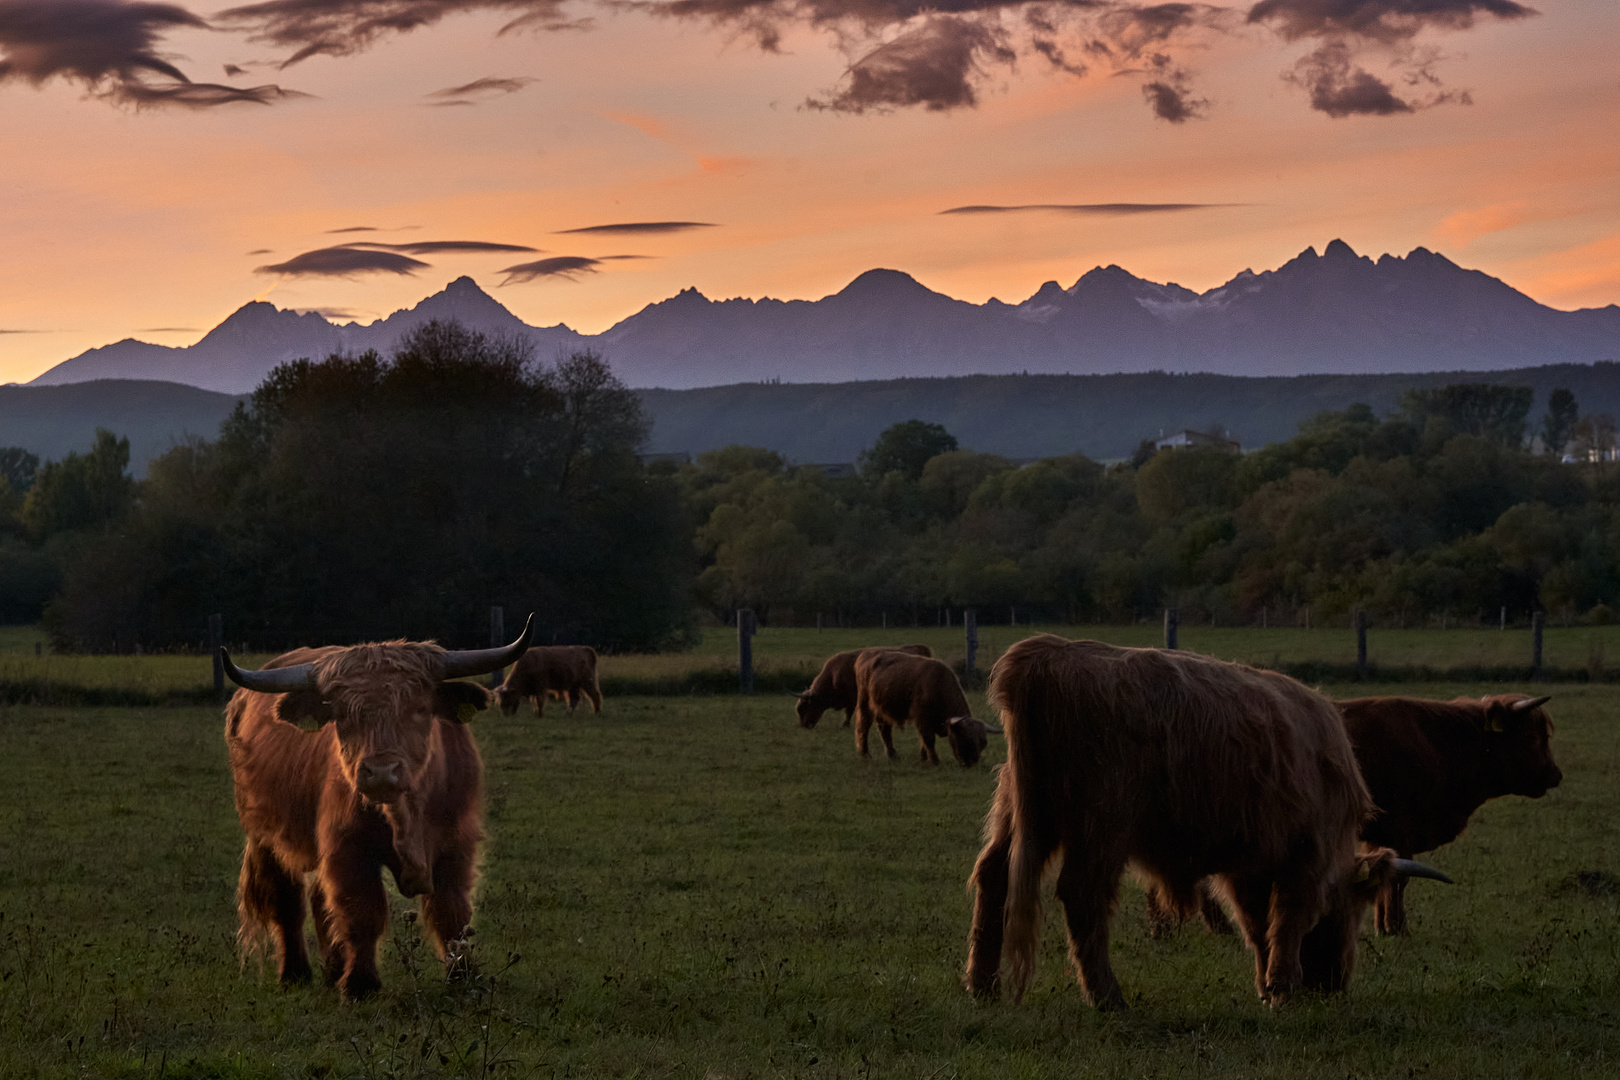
x=367, y=497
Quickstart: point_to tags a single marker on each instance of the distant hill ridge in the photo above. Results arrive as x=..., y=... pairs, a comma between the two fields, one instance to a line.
x=1337, y=312
x=1018, y=416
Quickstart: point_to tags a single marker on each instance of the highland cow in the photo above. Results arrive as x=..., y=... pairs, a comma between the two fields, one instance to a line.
x=565, y=672
x=893, y=687
x=834, y=685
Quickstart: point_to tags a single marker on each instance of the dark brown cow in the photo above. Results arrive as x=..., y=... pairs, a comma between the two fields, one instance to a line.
x=1431, y=764
x=1189, y=768
x=566, y=672
x=390, y=778
x=893, y=687
x=834, y=686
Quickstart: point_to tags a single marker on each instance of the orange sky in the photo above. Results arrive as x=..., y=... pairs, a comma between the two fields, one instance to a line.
x=122, y=222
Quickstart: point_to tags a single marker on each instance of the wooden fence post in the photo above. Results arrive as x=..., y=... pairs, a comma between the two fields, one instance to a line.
x=216, y=640
x=970, y=620
x=1536, y=622
x=1361, y=645
x=1504, y=617
x=747, y=626
x=1172, y=623
x=497, y=638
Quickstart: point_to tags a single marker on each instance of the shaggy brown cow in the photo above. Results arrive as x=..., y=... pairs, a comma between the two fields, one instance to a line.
x=389, y=778
x=893, y=687
x=1189, y=768
x=1431, y=764
x=834, y=686
x=566, y=672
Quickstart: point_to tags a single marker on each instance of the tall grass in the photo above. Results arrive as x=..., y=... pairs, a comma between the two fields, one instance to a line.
x=694, y=887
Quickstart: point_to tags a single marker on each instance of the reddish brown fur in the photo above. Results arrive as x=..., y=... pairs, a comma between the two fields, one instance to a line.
x=834, y=685
x=1431, y=764
x=298, y=794
x=893, y=687
x=1186, y=767
x=565, y=672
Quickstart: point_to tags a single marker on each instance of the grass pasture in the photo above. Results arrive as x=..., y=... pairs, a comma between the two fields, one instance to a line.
x=694, y=887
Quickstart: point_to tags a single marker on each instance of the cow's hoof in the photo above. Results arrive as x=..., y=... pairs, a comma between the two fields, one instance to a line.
x=1113, y=1002
x=357, y=986
x=296, y=974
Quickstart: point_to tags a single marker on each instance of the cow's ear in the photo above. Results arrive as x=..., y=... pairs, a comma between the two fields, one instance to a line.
x=304, y=708
x=1500, y=717
x=459, y=701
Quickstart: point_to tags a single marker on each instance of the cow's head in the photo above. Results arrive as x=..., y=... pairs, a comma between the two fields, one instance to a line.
x=508, y=699
x=1327, y=955
x=384, y=702
x=1518, y=757
x=809, y=708
x=968, y=738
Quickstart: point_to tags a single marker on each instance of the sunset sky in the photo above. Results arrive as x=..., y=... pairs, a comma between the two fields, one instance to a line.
x=161, y=165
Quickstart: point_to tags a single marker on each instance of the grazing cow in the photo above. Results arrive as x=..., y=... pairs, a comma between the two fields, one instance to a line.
x=893, y=687
x=834, y=687
x=390, y=777
x=1189, y=768
x=566, y=672
x=1431, y=764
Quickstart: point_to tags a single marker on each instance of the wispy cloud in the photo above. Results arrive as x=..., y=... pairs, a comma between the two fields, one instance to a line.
x=567, y=267
x=639, y=228
x=478, y=90
x=442, y=247
x=1092, y=209
x=167, y=330
x=343, y=262
x=111, y=49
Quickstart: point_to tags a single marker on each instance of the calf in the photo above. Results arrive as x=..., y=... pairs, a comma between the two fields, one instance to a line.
x=1431, y=764
x=834, y=686
x=893, y=687
x=566, y=672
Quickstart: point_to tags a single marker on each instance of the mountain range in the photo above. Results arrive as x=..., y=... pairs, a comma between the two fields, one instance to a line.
x=1334, y=312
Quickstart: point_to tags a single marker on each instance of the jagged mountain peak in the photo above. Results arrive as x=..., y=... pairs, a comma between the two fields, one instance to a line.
x=884, y=286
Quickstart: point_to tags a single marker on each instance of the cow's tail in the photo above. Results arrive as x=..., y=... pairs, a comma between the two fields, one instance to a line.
x=1016, y=688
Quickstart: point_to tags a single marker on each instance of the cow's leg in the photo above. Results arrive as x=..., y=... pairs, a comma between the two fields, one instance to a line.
x=1162, y=916
x=1296, y=905
x=595, y=694
x=1390, y=914
x=573, y=701
x=447, y=910
x=271, y=896
x=929, y=755
x=359, y=914
x=1210, y=909
x=989, y=881
x=332, y=961
x=886, y=730
x=539, y=703
x=1088, y=886
x=849, y=714
x=1251, y=900
x=863, y=728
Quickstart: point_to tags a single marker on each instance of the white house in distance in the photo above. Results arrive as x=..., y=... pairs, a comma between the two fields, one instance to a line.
x=1199, y=439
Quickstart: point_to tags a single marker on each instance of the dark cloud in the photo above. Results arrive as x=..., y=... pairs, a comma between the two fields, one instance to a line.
x=353, y=228
x=639, y=228
x=440, y=247
x=616, y=258
x=342, y=27
x=1339, y=88
x=27, y=331
x=567, y=267
x=1385, y=21
x=933, y=64
x=232, y=71
x=478, y=89
x=262, y=251
x=1096, y=209
x=343, y=262
x=1170, y=94
x=331, y=313
x=110, y=47
x=167, y=330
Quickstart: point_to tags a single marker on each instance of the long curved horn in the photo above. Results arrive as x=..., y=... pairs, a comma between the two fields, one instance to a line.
x=281, y=680
x=994, y=730
x=1531, y=703
x=459, y=663
x=804, y=696
x=1409, y=868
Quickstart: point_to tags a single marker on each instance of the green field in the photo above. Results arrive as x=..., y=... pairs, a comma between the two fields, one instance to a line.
x=694, y=887
x=789, y=658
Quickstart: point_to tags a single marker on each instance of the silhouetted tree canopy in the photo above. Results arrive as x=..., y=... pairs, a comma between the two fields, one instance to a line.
x=362, y=498
x=905, y=448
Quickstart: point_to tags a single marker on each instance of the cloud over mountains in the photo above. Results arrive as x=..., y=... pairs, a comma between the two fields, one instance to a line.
x=900, y=53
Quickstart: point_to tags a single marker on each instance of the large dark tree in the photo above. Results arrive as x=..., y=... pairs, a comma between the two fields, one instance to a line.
x=1558, y=426
x=905, y=448
x=363, y=498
